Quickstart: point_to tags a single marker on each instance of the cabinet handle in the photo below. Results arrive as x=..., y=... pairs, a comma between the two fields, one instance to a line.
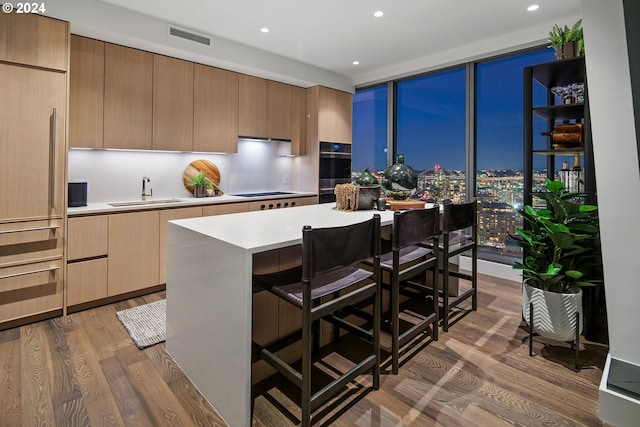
x=24, y=273
x=51, y=227
x=54, y=119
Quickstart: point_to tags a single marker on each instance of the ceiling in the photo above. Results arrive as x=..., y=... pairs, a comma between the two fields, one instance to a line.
x=331, y=34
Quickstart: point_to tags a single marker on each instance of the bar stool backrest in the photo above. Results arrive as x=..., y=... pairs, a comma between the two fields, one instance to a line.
x=324, y=249
x=415, y=226
x=459, y=216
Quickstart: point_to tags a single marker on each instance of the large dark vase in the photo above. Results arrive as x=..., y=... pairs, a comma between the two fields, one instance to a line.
x=399, y=181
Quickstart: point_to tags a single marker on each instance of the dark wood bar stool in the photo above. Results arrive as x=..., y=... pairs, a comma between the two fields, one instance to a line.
x=330, y=258
x=459, y=235
x=410, y=258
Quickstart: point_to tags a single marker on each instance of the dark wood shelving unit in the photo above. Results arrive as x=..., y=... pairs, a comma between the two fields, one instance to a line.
x=550, y=74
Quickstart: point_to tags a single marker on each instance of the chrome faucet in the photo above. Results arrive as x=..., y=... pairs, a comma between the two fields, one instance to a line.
x=144, y=191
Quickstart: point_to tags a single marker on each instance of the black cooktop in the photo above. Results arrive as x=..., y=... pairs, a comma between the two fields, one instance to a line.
x=266, y=193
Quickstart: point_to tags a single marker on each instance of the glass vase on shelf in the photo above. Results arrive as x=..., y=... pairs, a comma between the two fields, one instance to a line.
x=399, y=181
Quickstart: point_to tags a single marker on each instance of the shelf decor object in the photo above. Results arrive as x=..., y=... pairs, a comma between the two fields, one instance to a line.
x=399, y=181
x=210, y=171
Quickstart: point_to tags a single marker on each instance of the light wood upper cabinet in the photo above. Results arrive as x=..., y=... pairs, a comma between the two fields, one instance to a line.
x=35, y=40
x=33, y=157
x=298, y=121
x=134, y=244
x=215, y=114
x=279, y=114
x=128, y=92
x=86, y=93
x=252, y=107
x=334, y=115
x=172, y=104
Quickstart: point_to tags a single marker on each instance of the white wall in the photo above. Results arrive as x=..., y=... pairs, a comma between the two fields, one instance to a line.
x=618, y=185
x=617, y=174
x=115, y=175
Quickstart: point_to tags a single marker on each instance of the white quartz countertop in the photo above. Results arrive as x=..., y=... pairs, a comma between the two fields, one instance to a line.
x=271, y=229
x=105, y=207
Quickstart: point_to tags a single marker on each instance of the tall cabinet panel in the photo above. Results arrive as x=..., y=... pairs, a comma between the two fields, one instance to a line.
x=333, y=109
x=32, y=131
x=172, y=104
x=252, y=107
x=298, y=121
x=128, y=89
x=215, y=112
x=33, y=109
x=86, y=93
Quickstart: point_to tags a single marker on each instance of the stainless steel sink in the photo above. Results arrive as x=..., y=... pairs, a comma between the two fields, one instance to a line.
x=144, y=202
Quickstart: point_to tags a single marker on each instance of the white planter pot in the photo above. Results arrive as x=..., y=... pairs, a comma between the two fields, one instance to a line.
x=554, y=314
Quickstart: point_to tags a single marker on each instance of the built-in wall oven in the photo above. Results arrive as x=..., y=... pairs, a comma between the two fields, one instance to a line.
x=335, y=168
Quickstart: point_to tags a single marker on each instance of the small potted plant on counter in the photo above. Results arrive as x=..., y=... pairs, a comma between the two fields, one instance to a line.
x=561, y=254
x=200, y=183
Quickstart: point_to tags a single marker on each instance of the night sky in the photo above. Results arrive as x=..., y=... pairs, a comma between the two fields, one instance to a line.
x=431, y=118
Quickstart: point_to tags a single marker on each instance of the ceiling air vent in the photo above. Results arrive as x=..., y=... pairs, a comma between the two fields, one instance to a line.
x=181, y=33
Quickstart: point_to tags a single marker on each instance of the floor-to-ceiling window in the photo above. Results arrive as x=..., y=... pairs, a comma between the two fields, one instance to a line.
x=430, y=132
x=499, y=150
x=370, y=129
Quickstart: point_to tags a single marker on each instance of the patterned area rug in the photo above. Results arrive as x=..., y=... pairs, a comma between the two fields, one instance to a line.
x=146, y=324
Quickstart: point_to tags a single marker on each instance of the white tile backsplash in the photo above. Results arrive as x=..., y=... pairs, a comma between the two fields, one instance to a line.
x=116, y=175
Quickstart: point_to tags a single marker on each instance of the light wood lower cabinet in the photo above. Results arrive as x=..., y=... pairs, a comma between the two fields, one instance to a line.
x=134, y=244
x=87, y=268
x=30, y=289
x=225, y=209
x=168, y=215
x=87, y=281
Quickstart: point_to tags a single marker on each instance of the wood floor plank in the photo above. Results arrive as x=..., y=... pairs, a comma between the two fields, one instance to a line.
x=99, y=402
x=194, y=403
x=65, y=391
x=165, y=409
x=132, y=409
x=36, y=404
x=10, y=404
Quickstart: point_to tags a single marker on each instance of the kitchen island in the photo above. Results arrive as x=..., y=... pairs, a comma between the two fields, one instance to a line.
x=209, y=293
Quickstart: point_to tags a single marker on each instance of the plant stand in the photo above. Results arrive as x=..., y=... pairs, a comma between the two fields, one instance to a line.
x=575, y=345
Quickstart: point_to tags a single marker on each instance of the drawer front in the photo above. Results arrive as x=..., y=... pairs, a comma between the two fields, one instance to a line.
x=87, y=237
x=30, y=240
x=30, y=289
x=86, y=281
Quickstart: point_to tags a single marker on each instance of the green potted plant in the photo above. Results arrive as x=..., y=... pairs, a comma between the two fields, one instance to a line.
x=200, y=182
x=561, y=254
x=567, y=42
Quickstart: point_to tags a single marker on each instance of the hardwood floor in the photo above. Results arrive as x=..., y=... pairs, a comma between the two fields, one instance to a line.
x=86, y=371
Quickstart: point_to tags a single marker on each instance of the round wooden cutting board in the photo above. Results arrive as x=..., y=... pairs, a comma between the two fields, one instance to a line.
x=202, y=165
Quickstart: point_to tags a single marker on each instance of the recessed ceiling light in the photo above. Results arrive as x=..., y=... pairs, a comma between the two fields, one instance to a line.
x=378, y=14
x=264, y=29
x=356, y=62
x=533, y=7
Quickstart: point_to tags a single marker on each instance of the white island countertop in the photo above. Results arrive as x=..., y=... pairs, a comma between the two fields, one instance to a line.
x=265, y=230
